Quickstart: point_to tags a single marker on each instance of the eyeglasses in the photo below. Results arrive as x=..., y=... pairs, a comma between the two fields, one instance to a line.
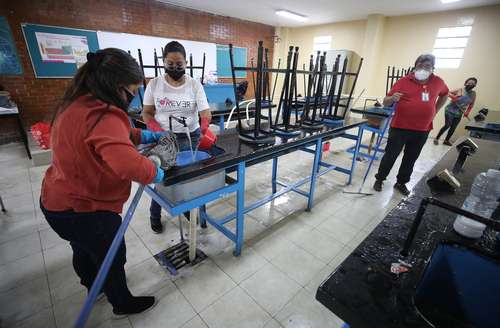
x=427, y=67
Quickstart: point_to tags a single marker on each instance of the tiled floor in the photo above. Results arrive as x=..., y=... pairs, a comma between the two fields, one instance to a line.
x=287, y=254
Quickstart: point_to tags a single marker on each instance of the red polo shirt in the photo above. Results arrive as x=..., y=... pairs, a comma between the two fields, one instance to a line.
x=412, y=113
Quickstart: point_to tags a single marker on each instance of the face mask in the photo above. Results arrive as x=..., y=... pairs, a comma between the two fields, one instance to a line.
x=130, y=96
x=422, y=74
x=174, y=73
x=469, y=87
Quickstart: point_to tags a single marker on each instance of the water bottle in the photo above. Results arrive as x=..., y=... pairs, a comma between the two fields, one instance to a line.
x=482, y=201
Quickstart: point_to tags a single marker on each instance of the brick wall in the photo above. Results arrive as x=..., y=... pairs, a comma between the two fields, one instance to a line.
x=37, y=98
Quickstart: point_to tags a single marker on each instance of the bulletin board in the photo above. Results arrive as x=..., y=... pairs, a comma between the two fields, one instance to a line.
x=9, y=60
x=224, y=62
x=56, y=52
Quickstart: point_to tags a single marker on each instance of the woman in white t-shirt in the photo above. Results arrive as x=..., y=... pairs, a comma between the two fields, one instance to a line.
x=180, y=96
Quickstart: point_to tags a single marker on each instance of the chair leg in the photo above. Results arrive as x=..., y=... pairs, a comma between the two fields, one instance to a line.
x=23, y=135
x=2, y=205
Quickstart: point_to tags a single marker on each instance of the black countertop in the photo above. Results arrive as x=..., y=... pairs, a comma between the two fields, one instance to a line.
x=363, y=292
x=381, y=112
x=236, y=151
x=482, y=126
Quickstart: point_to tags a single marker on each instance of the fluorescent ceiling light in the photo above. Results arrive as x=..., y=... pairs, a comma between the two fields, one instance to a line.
x=290, y=15
x=449, y=1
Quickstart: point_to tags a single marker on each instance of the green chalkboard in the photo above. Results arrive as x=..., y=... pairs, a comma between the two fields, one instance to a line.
x=9, y=60
x=224, y=63
x=56, y=51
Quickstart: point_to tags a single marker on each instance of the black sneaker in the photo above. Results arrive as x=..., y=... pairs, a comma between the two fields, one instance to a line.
x=378, y=185
x=401, y=187
x=436, y=141
x=447, y=143
x=156, y=226
x=135, y=305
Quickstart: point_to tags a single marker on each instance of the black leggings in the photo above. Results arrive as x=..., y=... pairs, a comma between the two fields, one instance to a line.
x=450, y=122
x=90, y=235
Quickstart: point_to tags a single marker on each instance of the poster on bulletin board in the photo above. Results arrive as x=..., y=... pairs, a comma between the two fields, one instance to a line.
x=9, y=60
x=57, y=52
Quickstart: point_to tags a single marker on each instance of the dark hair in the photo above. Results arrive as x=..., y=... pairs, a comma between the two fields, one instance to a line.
x=424, y=58
x=471, y=78
x=103, y=75
x=174, y=46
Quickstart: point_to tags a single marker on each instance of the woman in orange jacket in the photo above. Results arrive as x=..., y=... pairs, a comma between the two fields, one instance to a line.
x=94, y=162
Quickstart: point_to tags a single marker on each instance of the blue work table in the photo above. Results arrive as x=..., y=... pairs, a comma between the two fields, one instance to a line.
x=238, y=156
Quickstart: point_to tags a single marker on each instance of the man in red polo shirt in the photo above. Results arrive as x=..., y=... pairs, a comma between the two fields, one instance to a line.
x=419, y=96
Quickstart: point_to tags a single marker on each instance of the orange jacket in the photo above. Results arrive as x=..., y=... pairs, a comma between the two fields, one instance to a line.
x=94, y=159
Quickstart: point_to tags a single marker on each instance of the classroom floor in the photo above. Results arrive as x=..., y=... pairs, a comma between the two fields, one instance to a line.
x=272, y=284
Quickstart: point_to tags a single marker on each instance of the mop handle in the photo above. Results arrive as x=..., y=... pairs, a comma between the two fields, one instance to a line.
x=108, y=260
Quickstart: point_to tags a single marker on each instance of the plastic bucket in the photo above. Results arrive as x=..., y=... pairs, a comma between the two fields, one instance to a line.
x=208, y=140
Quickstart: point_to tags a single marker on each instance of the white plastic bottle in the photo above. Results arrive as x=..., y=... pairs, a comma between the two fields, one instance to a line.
x=482, y=201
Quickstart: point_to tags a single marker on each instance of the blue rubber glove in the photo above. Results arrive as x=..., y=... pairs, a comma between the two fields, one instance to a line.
x=159, y=175
x=148, y=137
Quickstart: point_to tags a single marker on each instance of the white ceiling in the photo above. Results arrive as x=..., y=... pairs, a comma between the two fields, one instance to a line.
x=320, y=11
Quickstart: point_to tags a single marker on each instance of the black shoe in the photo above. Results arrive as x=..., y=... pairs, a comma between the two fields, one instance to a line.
x=135, y=305
x=401, y=187
x=436, y=141
x=378, y=185
x=447, y=143
x=156, y=226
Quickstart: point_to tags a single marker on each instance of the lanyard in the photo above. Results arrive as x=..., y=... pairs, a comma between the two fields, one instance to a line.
x=425, y=94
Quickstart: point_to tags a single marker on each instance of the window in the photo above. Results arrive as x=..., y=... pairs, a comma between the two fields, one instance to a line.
x=450, y=45
x=322, y=43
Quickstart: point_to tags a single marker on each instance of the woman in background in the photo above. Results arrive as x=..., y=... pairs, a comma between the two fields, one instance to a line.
x=175, y=101
x=94, y=162
x=462, y=102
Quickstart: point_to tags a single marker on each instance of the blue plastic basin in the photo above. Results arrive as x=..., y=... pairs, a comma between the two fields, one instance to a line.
x=185, y=157
x=460, y=288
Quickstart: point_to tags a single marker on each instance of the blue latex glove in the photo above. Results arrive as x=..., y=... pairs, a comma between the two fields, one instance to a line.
x=148, y=137
x=159, y=175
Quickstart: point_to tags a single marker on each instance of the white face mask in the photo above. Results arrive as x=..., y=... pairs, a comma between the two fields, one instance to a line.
x=422, y=74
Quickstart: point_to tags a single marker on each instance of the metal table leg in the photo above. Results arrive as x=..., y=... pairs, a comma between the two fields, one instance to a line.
x=314, y=173
x=23, y=135
x=240, y=207
x=193, y=214
x=2, y=205
x=221, y=123
x=274, y=174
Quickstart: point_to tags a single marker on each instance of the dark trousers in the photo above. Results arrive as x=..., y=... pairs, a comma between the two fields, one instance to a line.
x=90, y=235
x=412, y=142
x=183, y=142
x=450, y=122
